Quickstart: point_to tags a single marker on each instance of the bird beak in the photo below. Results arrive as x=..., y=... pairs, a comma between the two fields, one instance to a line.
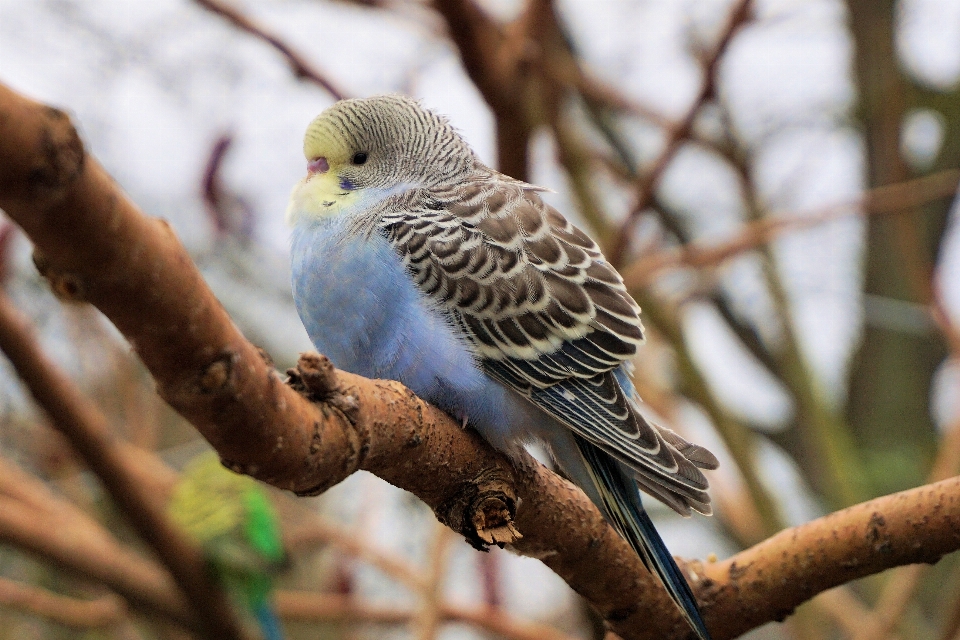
x=318, y=165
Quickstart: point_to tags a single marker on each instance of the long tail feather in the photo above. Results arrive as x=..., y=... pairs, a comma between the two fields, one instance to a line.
x=269, y=623
x=621, y=501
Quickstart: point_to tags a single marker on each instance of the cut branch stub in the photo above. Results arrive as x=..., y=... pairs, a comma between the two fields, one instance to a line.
x=316, y=378
x=483, y=510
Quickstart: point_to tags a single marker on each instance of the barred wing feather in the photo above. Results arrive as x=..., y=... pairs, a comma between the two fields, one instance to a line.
x=546, y=315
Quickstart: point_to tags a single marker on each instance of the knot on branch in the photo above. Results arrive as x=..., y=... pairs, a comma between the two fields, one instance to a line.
x=61, y=155
x=218, y=376
x=215, y=381
x=483, y=511
x=68, y=287
x=58, y=158
x=316, y=379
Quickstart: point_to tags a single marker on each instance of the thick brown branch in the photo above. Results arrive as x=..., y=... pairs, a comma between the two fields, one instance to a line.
x=919, y=525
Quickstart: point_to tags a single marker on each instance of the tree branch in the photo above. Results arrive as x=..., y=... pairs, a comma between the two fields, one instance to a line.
x=301, y=67
x=105, y=611
x=740, y=15
x=309, y=606
x=100, y=248
x=95, y=245
x=918, y=525
x=893, y=199
x=33, y=519
x=88, y=431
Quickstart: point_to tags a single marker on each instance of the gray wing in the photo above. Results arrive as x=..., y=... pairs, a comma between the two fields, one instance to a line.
x=547, y=316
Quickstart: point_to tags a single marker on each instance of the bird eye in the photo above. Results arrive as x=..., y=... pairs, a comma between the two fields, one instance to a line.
x=360, y=157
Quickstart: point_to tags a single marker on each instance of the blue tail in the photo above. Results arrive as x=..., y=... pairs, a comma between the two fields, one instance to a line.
x=621, y=502
x=269, y=624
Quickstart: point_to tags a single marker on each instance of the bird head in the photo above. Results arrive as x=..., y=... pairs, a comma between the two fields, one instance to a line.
x=361, y=151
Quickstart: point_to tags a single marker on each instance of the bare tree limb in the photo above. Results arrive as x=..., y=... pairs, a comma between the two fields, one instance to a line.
x=301, y=67
x=758, y=585
x=55, y=530
x=306, y=606
x=918, y=525
x=427, y=621
x=104, y=611
x=318, y=531
x=33, y=519
x=88, y=431
x=740, y=15
x=899, y=198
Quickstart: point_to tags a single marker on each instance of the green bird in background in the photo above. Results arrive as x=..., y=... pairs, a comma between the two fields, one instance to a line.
x=230, y=516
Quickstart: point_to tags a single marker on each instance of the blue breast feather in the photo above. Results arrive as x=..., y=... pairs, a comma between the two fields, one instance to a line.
x=362, y=310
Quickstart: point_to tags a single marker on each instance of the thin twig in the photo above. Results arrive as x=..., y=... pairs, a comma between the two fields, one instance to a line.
x=427, y=622
x=318, y=531
x=847, y=610
x=306, y=606
x=951, y=626
x=596, y=91
x=105, y=611
x=302, y=68
x=33, y=519
x=230, y=213
x=739, y=439
x=740, y=15
x=489, y=568
x=887, y=200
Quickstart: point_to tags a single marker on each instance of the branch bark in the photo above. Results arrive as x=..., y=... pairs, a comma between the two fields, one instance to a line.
x=919, y=525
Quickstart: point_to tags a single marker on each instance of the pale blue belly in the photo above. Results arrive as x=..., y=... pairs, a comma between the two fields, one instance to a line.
x=363, y=311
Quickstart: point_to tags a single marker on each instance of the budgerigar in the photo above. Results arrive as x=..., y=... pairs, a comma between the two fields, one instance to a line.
x=231, y=517
x=414, y=261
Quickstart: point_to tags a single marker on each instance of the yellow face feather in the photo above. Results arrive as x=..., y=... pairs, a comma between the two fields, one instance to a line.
x=321, y=194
